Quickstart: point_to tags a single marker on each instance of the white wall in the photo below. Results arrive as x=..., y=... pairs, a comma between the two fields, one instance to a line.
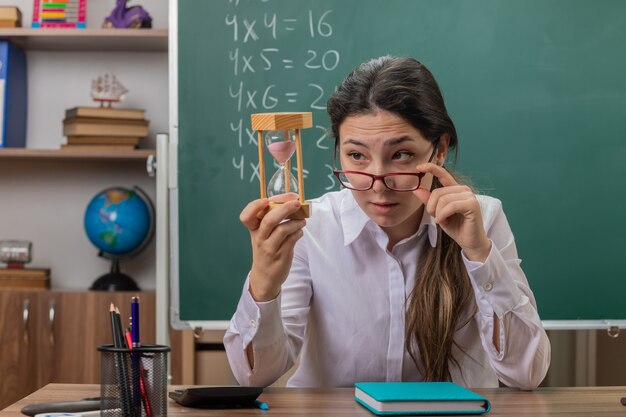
x=61, y=80
x=44, y=201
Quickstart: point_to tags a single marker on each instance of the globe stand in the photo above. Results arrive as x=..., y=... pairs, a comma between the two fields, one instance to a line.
x=114, y=280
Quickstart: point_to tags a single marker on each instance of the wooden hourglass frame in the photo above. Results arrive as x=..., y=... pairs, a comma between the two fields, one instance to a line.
x=262, y=122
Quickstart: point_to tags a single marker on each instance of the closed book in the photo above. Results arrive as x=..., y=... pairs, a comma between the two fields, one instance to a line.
x=414, y=398
x=12, y=96
x=103, y=121
x=23, y=272
x=81, y=128
x=10, y=17
x=98, y=148
x=10, y=24
x=105, y=113
x=9, y=13
x=103, y=140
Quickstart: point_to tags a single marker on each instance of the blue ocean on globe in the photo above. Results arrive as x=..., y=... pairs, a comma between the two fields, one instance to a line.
x=117, y=220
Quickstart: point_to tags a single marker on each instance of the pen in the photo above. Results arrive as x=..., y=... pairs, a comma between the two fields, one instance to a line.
x=133, y=344
x=134, y=317
x=261, y=405
x=78, y=414
x=86, y=404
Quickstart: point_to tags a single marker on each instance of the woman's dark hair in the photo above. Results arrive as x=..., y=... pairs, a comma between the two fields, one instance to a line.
x=442, y=299
x=399, y=85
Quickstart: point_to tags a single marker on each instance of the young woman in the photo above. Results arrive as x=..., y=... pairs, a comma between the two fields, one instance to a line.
x=404, y=275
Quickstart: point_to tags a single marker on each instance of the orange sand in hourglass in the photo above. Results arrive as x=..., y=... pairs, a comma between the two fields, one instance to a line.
x=278, y=128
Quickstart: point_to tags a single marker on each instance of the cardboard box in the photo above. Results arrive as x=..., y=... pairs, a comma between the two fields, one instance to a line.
x=10, y=17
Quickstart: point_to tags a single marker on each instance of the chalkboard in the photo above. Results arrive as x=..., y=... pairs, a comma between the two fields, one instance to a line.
x=537, y=89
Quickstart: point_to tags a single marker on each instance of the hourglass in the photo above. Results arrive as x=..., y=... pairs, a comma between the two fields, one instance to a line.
x=280, y=132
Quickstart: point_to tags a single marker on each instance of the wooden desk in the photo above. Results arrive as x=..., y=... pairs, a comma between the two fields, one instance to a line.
x=570, y=402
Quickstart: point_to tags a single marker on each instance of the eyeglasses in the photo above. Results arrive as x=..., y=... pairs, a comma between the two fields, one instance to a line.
x=395, y=181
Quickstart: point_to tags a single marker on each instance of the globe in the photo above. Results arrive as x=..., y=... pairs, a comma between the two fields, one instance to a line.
x=119, y=222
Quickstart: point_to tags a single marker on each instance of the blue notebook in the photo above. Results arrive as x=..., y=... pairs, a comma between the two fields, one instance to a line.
x=411, y=398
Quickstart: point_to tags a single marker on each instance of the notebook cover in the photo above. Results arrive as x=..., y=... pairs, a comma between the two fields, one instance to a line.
x=419, y=391
x=13, y=96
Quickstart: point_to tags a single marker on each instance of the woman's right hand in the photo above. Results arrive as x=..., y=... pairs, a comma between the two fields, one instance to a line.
x=273, y=240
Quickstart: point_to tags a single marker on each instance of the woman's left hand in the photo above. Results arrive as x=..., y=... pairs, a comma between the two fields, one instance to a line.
x=456, y=209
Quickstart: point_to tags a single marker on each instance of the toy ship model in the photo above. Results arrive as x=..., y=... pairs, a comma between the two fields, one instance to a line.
x=107, y=90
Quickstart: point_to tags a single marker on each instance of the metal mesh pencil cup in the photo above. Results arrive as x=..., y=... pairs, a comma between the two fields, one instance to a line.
x=133, y=383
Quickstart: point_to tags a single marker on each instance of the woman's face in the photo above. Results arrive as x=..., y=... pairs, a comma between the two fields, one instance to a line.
x=380, y=143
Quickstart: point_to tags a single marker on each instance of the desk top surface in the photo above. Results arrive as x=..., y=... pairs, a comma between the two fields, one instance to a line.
x=571, y=402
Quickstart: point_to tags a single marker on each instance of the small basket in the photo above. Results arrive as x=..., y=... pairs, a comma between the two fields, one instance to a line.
x=133, y=383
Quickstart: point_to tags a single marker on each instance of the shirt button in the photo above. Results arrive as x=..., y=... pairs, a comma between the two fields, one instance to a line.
x=488, y=286
x=253, y=323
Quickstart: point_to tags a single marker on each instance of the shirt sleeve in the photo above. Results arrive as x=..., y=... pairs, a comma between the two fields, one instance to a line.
x=501, y=287
x=274, y=328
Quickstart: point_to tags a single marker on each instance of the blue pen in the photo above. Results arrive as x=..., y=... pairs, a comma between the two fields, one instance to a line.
x=134, y=335
x=261, y=405
x=134, y=317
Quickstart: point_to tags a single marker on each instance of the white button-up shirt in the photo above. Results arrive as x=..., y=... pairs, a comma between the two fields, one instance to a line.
x=342, y=309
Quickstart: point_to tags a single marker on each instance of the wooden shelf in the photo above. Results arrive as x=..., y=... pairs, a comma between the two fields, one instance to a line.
x=57, y=154
x=47, y=39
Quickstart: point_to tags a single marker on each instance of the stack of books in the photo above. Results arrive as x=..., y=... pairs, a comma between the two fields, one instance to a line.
x=104, y=128
x=25, y=278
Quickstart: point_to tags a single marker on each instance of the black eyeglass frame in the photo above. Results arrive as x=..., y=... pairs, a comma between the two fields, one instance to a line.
x=381, y=178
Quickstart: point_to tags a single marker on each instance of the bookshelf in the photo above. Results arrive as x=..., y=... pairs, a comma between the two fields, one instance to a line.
x=115, y=40
x=48, y=188
x=57, y=154
x=83, y=40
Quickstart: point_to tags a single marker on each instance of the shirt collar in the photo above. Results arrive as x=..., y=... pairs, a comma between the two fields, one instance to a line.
x=354, y=220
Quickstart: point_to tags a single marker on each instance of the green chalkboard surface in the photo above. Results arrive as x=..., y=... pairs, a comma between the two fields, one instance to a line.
x=537, y=89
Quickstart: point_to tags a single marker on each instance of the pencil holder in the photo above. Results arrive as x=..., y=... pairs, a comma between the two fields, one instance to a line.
x=133, y=383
